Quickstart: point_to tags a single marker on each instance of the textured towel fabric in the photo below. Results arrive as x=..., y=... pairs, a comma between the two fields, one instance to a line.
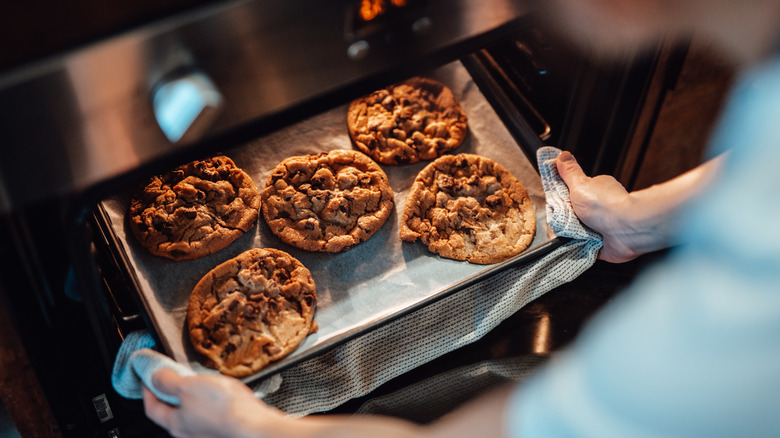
x=430, y=398
x=560, y=215
x=135, y=363
x=362, y=364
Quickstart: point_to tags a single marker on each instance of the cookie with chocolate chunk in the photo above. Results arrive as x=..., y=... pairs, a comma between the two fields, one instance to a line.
x=418, y=119
x=468, y=207
x=252, y=310
x=195, y=209
x=327, y=202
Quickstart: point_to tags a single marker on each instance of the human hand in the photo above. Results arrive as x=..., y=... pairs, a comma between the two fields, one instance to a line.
x=602, y=204
x=212, y=405
x=632, y=223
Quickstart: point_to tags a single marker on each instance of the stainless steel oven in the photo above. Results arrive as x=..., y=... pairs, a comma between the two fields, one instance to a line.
x=86, y=117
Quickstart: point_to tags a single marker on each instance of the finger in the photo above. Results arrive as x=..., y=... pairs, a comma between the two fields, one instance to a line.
x=569, y=170
x=168, y=381
x=158, y=411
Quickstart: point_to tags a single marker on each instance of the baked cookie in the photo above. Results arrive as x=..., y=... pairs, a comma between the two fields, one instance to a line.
x=251, y=310
x=468, y=207
x=418, y=119
x=327, y=202
x=194, y=210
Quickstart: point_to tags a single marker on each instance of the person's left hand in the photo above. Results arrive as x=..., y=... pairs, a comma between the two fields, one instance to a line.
x=212, y=405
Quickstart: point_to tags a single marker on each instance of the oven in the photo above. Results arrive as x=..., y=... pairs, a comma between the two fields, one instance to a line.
x=85, y=117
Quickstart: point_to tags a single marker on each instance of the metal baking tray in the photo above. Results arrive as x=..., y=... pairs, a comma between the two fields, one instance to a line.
x=360, y=289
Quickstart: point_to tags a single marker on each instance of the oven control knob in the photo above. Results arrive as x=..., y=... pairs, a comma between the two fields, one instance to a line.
x=185, y=105
x=358, y=50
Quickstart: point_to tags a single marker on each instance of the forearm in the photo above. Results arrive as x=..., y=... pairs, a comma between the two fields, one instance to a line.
x=483, y=417
x=220, y=406
x=649, y=215
x=333, y=426
x=633, y=223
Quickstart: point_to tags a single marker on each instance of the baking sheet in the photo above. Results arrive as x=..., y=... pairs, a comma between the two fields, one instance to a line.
x=356, y=289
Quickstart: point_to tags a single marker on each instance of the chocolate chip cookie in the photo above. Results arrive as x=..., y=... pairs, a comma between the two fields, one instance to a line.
x=327, y=202
x=194, y=210
x=468, y=207
x=418, y=119
x=251, y=310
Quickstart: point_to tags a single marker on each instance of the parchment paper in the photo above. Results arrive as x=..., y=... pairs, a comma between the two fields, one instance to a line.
x=373, y=280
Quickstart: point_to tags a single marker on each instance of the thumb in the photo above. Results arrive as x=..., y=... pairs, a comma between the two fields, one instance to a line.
x=569, y=170
x=167, y=381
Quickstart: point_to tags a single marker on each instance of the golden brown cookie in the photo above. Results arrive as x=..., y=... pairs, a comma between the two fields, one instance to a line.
x=194, y=210
x=327, y=202
x=251, y=310
x=418, y=119
x=468, y=207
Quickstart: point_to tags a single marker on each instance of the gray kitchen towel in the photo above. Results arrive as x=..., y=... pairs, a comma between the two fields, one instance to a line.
x=135, y=363
x=560, y=214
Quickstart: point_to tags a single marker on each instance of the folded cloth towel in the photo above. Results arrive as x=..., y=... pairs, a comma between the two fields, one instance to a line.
x=560, y=214
x=135, y=363
x=137, y=360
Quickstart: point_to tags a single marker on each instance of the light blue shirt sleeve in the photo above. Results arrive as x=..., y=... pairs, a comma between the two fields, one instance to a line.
x=692, y=349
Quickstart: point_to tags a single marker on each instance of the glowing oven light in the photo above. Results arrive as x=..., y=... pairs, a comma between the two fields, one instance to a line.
x=370, y=9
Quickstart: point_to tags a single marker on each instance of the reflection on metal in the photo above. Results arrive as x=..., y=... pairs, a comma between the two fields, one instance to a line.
x=543, y=128
x=542, y=335
x=422, y=25
x=186, y=105
x=358, y=50
x=370, y=9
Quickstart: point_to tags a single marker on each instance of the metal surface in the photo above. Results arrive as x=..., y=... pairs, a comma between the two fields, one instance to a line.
x=81, y=118
x=358, y=290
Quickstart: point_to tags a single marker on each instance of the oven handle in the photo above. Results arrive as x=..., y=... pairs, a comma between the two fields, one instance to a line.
x=82, y=232
x=543, y=128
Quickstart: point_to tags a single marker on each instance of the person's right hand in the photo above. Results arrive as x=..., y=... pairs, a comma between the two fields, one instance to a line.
x=632, y=223
x=600, y=203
